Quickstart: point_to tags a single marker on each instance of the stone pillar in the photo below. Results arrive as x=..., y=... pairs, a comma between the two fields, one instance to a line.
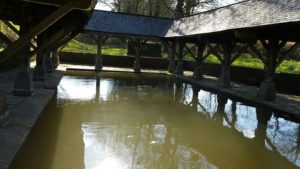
x=267, y=90
x=55, y=58
x=23, y=82
x=171, y=52
x=48, y=61
x=39, y=73
x=199, y=60
x=179, y=66
x=3, y=110
x=137, y=62
x=98, y=63
x=224, y=80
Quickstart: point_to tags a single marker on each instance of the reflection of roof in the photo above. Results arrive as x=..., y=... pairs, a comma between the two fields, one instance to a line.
x=249, y=14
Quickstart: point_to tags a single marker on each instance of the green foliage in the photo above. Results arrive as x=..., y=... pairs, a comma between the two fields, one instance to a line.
x=80, y=47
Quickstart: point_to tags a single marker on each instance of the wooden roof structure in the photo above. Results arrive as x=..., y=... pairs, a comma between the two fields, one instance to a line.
x=60, y=19
x=254, y=19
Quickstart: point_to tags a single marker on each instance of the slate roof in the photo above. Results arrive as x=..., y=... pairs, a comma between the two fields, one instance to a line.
x=253, y=13
x=248, y=14
x=120, y=23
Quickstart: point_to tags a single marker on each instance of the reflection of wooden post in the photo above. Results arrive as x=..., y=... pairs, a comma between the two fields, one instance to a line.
x=263, y=116
x=23, y=82
x=195, y=100
x=97, y=90
x=179, y=67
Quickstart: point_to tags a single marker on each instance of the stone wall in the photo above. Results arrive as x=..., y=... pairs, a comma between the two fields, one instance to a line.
x=286, y=83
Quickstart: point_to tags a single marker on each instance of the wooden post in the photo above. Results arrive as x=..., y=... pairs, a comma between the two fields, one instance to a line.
x=171, y=52
x=224, y=80
x=98, y=64
x=199, y=60
x=137, y=63
x=48, y=61
x=23, y=82
x=39, y=73
x=55, y=58
x=267, y=88
x=179, y=67
x=2, y=5
x=271, y=61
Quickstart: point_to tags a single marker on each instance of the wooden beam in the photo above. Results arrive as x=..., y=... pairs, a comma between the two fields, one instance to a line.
x=290, y=50
x=55, y=39
x=213, y=50
x=190, y=51
x=258, y=53
x=36, y=30
x=238, y=53
x=5, y=39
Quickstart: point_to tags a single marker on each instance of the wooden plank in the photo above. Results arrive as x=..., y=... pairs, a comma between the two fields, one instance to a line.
x=14, y=29
x=36, y=30
x=290, y=50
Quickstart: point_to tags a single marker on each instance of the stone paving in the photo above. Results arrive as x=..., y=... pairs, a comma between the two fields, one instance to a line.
x=23, y=112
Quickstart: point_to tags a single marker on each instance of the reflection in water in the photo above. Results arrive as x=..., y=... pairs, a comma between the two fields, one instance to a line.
x=136, y=146
x=283, y=138
x=150, y=121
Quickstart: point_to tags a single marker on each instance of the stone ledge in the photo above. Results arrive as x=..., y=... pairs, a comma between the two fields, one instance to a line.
x=23, y=113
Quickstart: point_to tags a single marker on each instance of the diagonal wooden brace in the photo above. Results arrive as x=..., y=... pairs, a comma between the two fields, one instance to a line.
x=36, y=30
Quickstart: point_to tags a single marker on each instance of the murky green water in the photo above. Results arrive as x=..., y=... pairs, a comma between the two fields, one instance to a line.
x=117, y=121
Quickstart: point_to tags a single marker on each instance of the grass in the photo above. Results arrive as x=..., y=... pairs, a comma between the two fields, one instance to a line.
x=243, y=61
x=77, y=46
